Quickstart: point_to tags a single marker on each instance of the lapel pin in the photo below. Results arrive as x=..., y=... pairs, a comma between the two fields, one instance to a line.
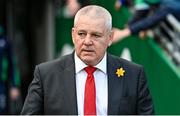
x=120, y=72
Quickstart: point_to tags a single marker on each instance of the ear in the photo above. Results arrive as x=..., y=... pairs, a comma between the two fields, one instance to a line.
x=111, y=35
x=73, y=34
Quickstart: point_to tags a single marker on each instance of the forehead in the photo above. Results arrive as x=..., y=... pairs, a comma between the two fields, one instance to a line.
x=90, y=24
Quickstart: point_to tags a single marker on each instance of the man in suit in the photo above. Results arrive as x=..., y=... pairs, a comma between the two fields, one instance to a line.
x=90, y=80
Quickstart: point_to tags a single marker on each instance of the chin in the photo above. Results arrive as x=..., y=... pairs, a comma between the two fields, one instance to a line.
x=89, y=61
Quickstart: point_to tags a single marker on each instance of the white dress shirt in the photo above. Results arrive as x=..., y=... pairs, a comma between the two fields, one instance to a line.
x=101, y=84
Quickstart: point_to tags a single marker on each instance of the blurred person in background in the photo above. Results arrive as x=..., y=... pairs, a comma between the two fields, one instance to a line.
x=141, y=21
x=70, y=7
x=89, y=81
x=143, y=8
x=9, y=90
x=119, y=3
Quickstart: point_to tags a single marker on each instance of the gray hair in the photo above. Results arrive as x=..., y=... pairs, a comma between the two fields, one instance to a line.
x=95, y=12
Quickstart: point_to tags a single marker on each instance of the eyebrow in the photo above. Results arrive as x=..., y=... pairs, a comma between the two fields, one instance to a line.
x=97, y=33
x=81, y=30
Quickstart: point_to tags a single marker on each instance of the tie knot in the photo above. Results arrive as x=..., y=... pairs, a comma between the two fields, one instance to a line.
x=90, y=70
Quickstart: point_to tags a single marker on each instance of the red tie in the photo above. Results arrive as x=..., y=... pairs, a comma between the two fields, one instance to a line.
x=90, y=92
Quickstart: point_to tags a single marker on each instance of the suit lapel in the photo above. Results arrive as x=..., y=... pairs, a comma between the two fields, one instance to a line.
x=115, y=86
x=70, y=99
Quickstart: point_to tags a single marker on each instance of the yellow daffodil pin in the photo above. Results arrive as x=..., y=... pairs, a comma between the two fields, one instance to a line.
x=120, y=72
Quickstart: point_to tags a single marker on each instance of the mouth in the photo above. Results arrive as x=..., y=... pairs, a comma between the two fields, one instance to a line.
x=87, y=50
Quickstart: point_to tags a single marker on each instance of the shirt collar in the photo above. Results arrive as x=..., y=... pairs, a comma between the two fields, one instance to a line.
x=80, y=65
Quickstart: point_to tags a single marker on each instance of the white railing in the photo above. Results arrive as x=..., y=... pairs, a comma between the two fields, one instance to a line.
x=170, y=37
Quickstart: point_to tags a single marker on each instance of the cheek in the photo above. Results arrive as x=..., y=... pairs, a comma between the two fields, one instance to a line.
x=78, y=45
x=102, y=46
x=100, y=49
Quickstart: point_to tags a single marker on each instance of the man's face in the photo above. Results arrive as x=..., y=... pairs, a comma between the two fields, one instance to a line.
x=91, y=39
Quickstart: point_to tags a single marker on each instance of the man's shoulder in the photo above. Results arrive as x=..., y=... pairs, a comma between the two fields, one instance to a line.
x=60, y=63
x=123, y=62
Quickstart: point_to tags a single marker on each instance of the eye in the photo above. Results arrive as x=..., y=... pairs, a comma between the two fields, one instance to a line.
x=96, y=35
x=81, y=34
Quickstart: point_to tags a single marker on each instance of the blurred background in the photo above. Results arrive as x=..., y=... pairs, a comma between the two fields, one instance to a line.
x=35, y=31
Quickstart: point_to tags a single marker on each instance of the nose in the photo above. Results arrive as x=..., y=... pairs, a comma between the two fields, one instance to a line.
x=88, y=40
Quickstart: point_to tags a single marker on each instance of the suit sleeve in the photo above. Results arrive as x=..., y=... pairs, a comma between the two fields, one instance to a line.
x=34, y=100
x=145, y=103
